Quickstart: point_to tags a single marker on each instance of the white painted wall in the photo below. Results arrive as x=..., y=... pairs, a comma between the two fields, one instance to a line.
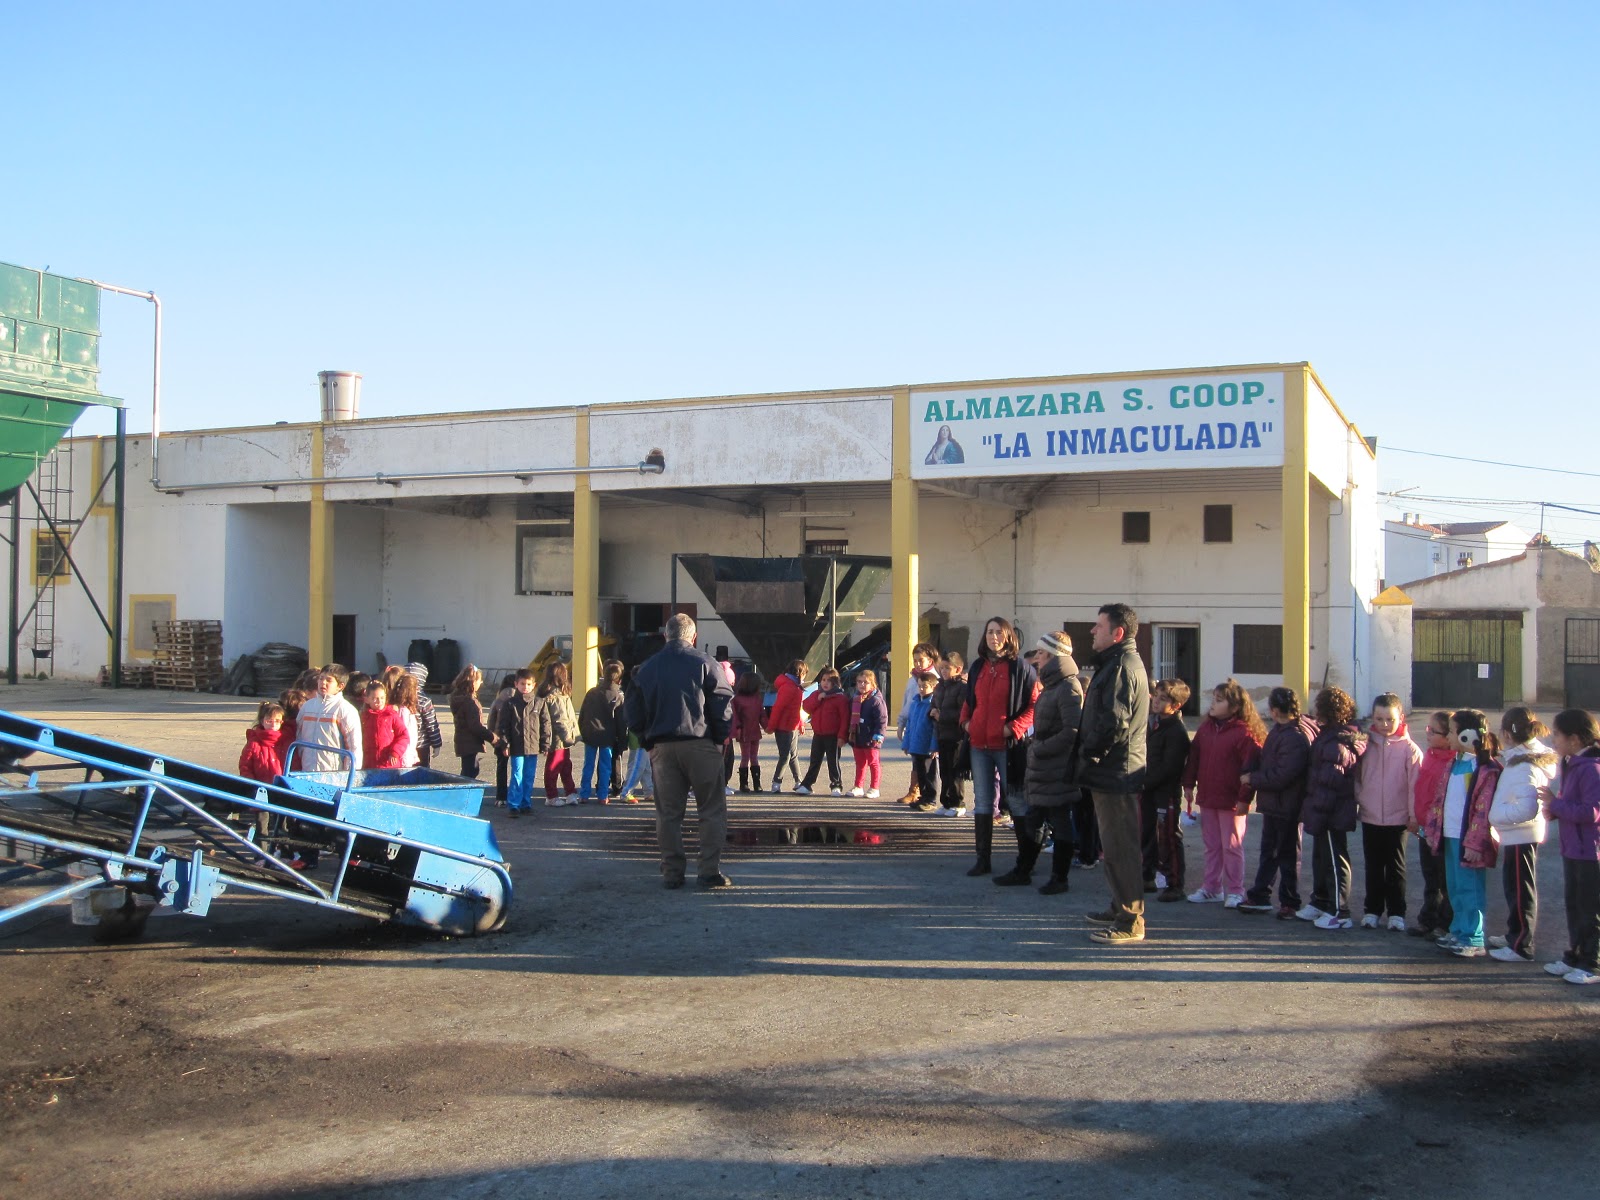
x=1391, y=652
x=175, y=546
x=266, y=576
x=804, y=440
x=357, y=579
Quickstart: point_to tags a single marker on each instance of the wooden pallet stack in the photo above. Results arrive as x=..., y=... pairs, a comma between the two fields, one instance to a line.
x=188, y=654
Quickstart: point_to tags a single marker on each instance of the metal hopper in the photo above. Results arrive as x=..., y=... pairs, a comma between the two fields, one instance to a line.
x=781, y=609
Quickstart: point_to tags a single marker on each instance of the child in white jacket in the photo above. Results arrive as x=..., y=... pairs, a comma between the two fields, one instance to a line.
x=1520, y=826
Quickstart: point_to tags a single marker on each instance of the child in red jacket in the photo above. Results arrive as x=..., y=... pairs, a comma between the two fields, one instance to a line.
x=829, y=710
x=264, y=744
x=384, y=736
x=1226, y=745
x=1434, y=920
x=784, y=722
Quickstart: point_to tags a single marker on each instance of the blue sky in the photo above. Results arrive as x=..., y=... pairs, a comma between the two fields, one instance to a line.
x=482, y=206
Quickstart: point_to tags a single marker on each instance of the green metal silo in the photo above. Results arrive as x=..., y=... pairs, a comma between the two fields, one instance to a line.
x=49, y=366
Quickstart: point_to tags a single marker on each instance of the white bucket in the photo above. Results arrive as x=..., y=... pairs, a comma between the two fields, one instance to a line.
x=341, y=395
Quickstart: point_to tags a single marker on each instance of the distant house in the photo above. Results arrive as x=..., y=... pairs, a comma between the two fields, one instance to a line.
x=1415, y=549
x=1523, y=629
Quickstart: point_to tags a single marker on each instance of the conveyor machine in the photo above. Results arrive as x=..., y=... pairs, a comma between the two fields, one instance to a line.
x=402, y=845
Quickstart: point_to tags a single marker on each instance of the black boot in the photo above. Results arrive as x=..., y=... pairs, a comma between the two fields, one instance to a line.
x=744, y=781
x=1027, y=855
x=1060, y=864
x=755, y=777
x=983, y=834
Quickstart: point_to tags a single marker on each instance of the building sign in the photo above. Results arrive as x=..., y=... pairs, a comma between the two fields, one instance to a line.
x=1115, y=424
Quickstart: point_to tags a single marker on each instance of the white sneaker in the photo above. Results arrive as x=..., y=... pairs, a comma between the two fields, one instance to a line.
x=1579, y=975
x=1558, y=968
x=1497, y=943
x=953, y=812
x=728, y=790
x=1505, y=954
x=1204, y=897
x=802, y=790
x=1334, y=921
x=1370, y=921
x=1310, y=913
x=854, y=792
x=777, y=788
x=1232, y=901
x=836, y=792
x=1161, y=882
x=1397, y=924
x=872, y=793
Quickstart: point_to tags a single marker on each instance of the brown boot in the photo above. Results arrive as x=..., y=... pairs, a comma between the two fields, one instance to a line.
x=911, y=797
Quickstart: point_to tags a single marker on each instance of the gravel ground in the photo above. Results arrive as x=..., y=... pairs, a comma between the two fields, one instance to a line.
x=848, y=1020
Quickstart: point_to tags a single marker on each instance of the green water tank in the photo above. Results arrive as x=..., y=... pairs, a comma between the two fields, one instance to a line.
x=49, y=365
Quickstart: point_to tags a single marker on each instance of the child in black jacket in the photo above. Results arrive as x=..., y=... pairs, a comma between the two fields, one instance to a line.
x=1160, y=806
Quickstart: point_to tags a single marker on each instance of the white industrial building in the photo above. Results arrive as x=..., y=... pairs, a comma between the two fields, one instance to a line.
x=1234, y=507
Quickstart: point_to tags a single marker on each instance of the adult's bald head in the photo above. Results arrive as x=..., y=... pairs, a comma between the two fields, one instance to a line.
x=681, y=628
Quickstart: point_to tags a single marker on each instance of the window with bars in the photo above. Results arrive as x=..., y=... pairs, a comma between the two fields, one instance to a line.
x=1258, y=649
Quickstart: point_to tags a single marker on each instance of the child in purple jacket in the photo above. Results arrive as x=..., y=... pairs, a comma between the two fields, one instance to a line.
x=1575, y=802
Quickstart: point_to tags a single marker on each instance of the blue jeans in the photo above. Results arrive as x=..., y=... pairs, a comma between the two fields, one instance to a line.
x=593, y=755
x=521, y=769
x=988, y=781
x=1468, y=888
x=639, y=773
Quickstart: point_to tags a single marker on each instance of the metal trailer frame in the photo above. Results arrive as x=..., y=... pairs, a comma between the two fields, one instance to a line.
x=448, y=889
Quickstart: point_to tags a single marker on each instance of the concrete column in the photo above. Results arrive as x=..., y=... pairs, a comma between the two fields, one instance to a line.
x=1296, y=533
x=904, y=584
x=1391, y=645
x=585, y=567
x=319, y=600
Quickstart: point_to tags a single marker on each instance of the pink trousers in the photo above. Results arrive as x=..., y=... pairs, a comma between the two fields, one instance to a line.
x=867, y=760
x=1223, y=831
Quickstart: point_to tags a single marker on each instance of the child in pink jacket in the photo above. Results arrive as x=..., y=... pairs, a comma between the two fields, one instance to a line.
x=748, y=709
x=1386, y=785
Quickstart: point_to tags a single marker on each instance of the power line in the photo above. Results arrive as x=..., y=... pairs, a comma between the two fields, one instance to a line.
x=1489, y=462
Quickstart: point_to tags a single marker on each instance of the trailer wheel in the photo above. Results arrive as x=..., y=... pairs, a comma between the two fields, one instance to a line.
x=496, y=907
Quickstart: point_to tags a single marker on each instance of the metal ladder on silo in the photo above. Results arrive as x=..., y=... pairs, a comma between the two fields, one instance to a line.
x=54, y=507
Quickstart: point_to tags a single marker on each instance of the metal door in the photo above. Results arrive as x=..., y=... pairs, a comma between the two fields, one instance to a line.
x=1582, y=672
x=1466, y=660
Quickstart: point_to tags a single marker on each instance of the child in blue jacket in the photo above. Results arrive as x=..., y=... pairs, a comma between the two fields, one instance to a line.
x=921, y=742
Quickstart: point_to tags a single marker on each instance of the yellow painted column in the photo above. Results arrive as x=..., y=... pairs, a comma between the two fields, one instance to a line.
x=1296, y=535
x=585, y=566
x=319, y=597
x=903, y=582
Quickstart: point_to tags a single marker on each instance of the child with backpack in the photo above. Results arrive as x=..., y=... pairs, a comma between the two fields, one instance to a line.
x=561, y=723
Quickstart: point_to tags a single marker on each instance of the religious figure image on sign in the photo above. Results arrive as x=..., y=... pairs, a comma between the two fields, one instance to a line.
x=945, y=449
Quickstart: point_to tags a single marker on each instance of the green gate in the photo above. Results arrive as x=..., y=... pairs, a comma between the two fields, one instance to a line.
x=1466, y=659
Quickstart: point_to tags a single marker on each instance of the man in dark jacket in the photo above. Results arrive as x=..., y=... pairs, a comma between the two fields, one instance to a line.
x=1111, y=763
x=682, y=709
